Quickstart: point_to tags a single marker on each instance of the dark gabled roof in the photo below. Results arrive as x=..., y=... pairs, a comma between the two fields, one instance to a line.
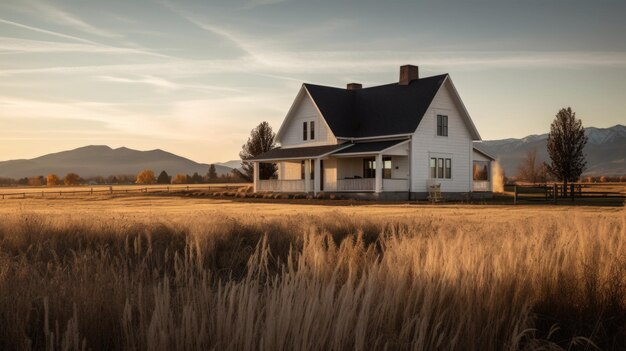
x=375, y=111
x=298, y=152
x=372, y=147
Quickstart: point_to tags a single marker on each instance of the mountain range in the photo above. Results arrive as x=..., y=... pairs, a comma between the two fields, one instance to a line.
x=100, y=160
x=605, y=151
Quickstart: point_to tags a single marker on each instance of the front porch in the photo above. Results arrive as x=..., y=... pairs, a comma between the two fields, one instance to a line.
x=357, y=168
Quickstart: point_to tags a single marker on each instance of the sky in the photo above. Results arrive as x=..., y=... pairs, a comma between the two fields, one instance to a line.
x=194, y=77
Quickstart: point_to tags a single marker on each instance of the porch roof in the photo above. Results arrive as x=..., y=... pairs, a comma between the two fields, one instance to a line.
x=295, y=153
x=371, y=147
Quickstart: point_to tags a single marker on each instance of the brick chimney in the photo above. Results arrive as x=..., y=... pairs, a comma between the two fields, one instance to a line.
x=408, y=73
x=354, y=86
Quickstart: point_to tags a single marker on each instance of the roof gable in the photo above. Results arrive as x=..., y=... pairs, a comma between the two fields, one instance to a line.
x=390, y=109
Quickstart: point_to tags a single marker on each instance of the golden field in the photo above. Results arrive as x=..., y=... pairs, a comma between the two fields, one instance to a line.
x=164, y=272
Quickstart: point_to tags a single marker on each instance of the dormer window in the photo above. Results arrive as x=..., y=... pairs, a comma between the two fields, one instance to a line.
x=312, y=130
x=442, y=125
x=304, y=130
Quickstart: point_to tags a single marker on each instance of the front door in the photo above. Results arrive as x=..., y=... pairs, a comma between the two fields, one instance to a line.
x=321, y=177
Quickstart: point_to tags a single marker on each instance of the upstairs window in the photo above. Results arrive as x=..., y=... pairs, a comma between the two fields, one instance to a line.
x=304, y=130
x=442, y=125
x=312, y=130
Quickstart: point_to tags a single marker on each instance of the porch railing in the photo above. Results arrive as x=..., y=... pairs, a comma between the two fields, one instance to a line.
x=281, y=185
x=481, y=185
x=359, y=184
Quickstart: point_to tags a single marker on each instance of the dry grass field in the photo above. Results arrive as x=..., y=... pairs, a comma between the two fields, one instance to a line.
x=164, y=273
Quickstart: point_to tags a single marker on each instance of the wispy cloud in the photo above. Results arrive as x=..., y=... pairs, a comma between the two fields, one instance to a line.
x=165, y=84
x=61, y=17
x=82, y=40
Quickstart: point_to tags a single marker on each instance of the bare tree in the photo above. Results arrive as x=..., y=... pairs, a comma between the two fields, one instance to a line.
x=261, y=140
x=566, y=142
x=528, y=170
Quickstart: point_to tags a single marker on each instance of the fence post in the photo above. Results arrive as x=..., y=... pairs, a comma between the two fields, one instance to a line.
x=168, y=189
x=42, y=196
x=23, y=195
x=187, y=187
x=111, y=190
x=571, y=190
x=91, y=191
x=514, y=194
x=554, y=190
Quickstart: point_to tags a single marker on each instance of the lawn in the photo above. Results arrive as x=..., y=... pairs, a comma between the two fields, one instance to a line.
x=167, y=272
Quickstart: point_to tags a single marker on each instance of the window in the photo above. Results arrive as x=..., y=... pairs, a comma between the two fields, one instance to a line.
x=387, y=167
x=440, y=168
x=442, y=125
x=433, y=167
x=481, y=170
x=369, y=167
x=312, y=130
x=304, y=132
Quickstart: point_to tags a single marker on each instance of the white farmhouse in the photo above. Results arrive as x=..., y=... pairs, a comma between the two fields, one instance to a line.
x=391, y=141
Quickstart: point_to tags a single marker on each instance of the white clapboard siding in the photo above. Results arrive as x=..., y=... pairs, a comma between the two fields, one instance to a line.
x=457, y=145
x=395, y=184
x=305, y=111
x=289, y=170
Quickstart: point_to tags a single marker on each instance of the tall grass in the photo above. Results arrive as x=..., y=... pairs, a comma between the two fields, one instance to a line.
x=312, y=283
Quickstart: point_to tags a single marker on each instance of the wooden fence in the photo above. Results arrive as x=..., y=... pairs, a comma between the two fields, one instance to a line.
x=556, y=193
x=111, y=190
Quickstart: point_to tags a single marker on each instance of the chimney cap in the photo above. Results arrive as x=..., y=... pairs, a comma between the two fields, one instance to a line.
x=408, y=73
x=354, y=86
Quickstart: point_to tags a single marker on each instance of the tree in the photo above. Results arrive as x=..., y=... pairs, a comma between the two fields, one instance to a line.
x=180, y=179
x=163, y=178
x=530, y=170
x=565, y=147
x=146, y=177
x=35, y=181
x=212, y=174
x=261, y=140
x=71, y=179
x=52, y=179
x=196, y=178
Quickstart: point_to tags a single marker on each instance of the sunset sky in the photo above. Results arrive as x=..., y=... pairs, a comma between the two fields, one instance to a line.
x=194, y=77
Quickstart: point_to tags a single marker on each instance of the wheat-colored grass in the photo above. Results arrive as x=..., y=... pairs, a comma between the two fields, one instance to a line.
x=240, y=276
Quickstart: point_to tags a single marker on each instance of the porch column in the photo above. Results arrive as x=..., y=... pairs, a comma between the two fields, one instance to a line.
x=307, y=176
x=378, y=187
x=255, y=175
x=318, y=176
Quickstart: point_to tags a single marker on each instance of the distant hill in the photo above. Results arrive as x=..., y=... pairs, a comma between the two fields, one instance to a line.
x=234, y=164
x=100, y=160
x=605, y=151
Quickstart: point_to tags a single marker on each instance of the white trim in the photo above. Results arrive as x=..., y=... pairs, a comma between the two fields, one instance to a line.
x=287, y=118
x=483, y=153
x=302, y=157
x=468, y=118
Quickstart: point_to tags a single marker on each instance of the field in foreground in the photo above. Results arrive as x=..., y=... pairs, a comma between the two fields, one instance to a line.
x=164, y=273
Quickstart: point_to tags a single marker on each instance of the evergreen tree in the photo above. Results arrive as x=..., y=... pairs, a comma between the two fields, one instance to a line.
x=212, y=172
x=565, y=147
x=163, y=178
